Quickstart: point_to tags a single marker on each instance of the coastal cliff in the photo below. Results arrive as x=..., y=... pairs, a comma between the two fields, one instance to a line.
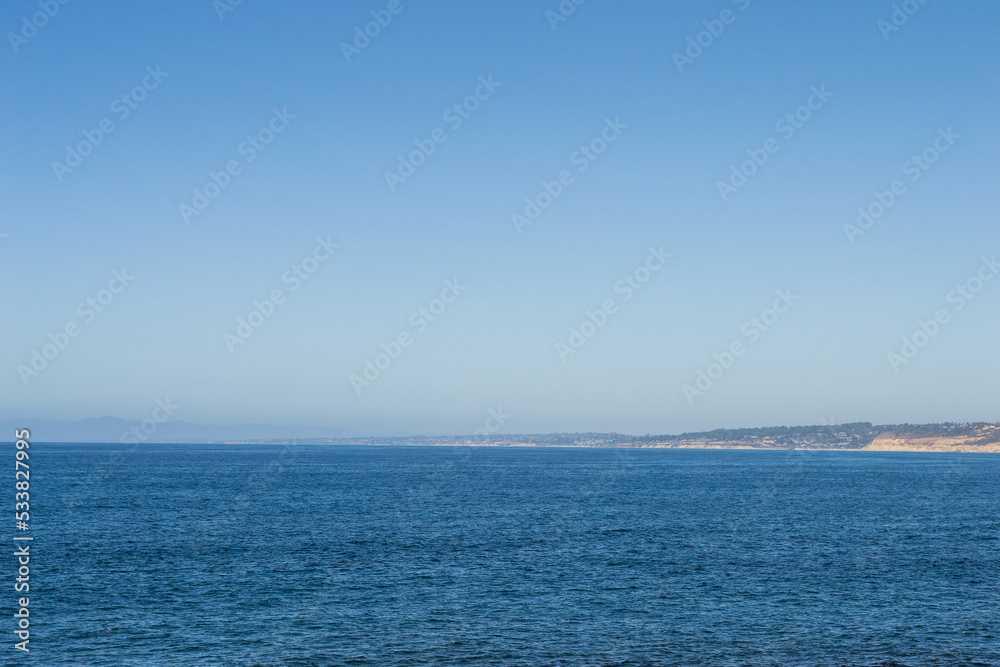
x=983, y=438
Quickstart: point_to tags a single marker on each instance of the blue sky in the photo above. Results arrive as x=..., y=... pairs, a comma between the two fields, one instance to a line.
x=343, y=125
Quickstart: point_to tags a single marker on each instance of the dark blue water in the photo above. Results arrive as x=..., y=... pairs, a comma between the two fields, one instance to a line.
x=239, y=556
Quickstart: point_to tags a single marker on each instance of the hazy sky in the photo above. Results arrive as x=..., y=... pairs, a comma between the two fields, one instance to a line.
x=611, y=119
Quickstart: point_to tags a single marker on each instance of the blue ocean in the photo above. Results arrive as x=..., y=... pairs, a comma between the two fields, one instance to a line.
x=265, y=556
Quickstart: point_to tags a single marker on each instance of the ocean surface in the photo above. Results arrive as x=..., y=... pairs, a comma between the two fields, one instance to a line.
x=313, y=555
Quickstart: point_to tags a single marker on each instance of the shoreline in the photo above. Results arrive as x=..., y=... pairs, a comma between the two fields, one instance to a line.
x=947, y=447
x=988, y=449
x=966, y=449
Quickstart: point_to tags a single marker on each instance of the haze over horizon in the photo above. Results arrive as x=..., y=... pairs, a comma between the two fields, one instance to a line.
x=772, y=282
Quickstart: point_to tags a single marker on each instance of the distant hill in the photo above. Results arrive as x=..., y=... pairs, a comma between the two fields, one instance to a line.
x=971, y=437
x=978, y=437
x=981, y=437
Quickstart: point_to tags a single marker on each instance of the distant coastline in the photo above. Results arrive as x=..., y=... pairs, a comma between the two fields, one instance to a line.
x=860, y=436
x=980, y=437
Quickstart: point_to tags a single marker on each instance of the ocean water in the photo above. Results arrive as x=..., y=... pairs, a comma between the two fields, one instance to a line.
x=314, y=555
